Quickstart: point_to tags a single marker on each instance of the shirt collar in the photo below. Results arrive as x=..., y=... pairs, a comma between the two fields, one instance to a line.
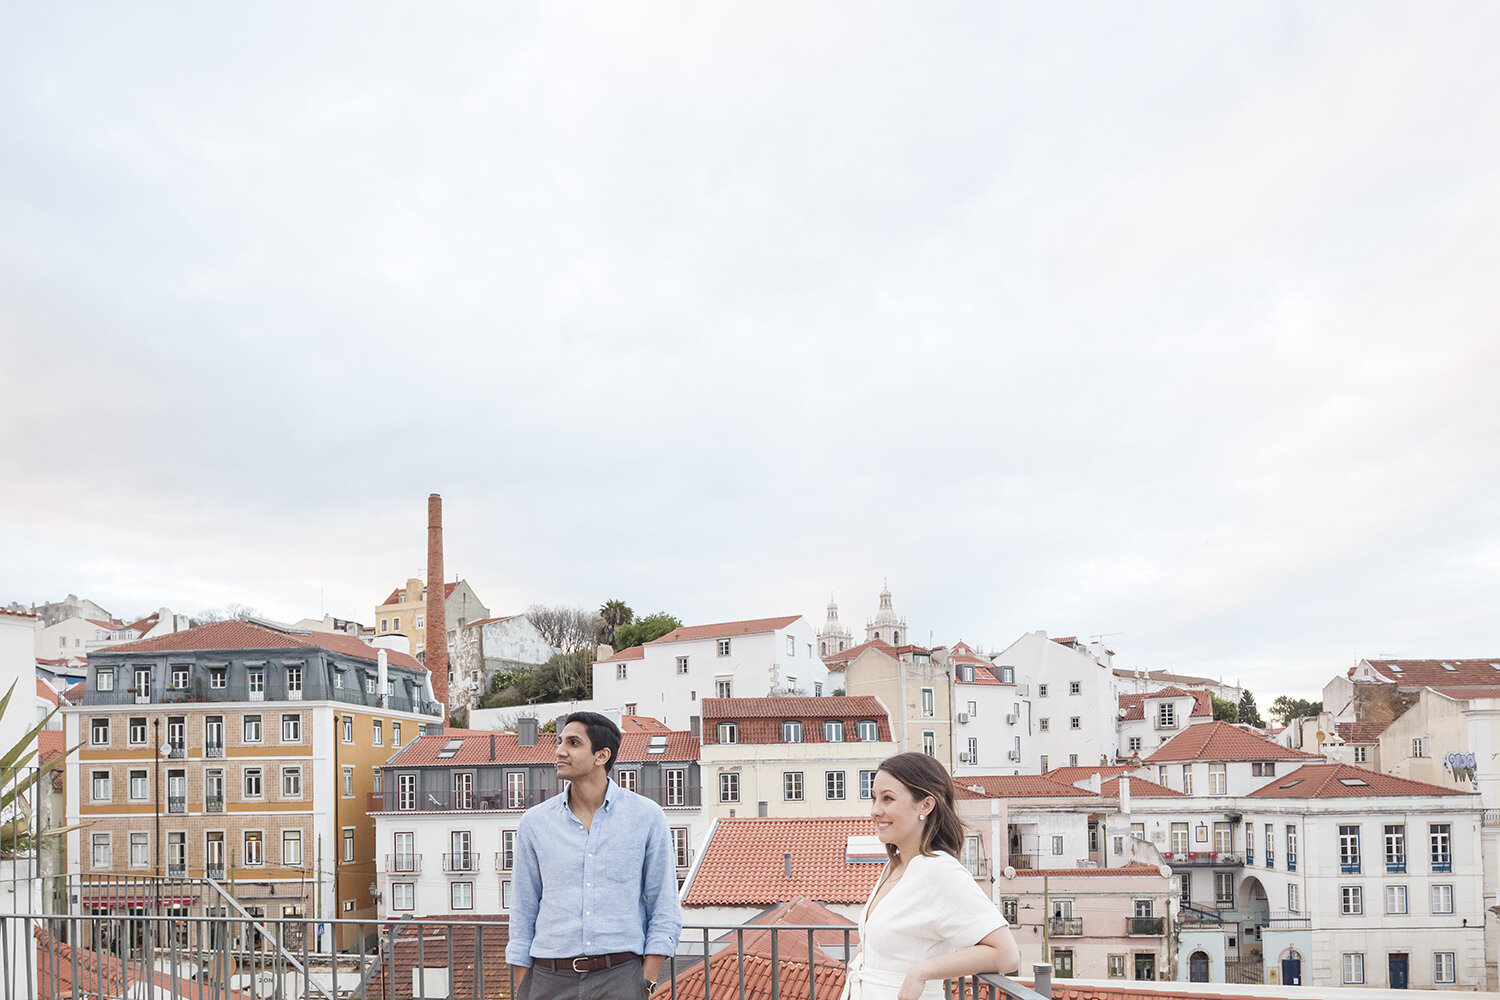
x=612, y=793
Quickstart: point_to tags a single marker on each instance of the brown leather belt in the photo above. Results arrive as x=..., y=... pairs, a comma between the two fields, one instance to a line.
x=586, y=963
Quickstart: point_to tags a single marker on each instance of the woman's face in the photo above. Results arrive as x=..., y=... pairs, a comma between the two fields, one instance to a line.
x=895, y=811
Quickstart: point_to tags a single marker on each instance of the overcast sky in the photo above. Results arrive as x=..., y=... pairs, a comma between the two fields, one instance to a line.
x=1173, y=323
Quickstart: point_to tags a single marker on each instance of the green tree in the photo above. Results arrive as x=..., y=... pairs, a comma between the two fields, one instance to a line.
x=1225, y=710
x=1248, y=712
x=613, y=614
x=645, y=629
x=1286, y=708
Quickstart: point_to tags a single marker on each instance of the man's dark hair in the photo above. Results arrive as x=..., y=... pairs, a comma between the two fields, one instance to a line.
x=603, y=734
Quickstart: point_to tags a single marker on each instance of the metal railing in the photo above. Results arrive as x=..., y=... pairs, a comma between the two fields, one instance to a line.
x=402, y=863
x=1203, y=859
x=213, y=803
x=1065, y=926
x=1145, y=926
x=215, y=948
x=212, y=750
x=468, y=861
x=1199, y=915
x=176, y=803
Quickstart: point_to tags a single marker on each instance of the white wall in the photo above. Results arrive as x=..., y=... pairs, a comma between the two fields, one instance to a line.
x=1040, y=661
x=988, y=707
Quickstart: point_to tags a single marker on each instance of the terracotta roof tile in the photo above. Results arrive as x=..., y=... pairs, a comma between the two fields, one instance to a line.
x=1141, y=788
x=1135, y=869
x=245, y=635
x=630, y=653
x=57, y=962
x=1360, y=732
x=399, y=955
x=1167, y=677
x=474, y=748
x=1470, y=692
x=395, y=598
x=642, y=724
x=758, y=720
x=743, y=863
x=1325, y=781
x=491, y=621
x=17, y=614
x=984, y=673
x=46, y=691
x=722, y=630
x=145, y=624
x=1013, y=786
x=1222, y=741
x=1073, y=775
x=1437, y=673
x=1135, y=704
x=854, y=651
x=74, y=693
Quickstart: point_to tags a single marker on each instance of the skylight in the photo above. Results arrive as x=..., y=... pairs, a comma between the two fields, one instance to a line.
x=450, y=748
x=1449, y=666
x=1289, y=784
x=864, y=850
x=658, y=744
x=1395, y=668
x=1354, y=782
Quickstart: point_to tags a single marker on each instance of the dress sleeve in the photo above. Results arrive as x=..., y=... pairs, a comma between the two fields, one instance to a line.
x=963, y=913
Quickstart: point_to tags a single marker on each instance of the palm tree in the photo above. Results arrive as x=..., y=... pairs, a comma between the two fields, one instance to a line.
x=613, y=614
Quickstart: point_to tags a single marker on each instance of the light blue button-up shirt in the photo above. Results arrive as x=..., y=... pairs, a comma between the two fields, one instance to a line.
x=609, y=888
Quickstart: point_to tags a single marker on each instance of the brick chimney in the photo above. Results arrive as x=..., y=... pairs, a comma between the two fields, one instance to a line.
x=437, y=608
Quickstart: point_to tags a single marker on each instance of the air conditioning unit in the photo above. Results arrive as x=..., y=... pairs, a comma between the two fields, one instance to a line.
x=1011, y=718
x=963, y=717
x=963, y=758
x=1014, y=755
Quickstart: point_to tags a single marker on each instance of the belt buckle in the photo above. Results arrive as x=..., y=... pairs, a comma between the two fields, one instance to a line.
x=574, y=964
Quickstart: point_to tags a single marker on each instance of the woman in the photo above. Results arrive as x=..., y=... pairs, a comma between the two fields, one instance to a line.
x=927, y=920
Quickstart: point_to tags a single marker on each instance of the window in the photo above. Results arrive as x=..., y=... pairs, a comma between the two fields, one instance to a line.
x=257, y=681
x=1075, y=687
x=179, y=676
x=252, y=729
x=140, y=850
x=138, y=786
x=396, y=624
x=403, y=896
x=253, y=782
x=1010, y=910
x=218, y=678
x=461, y=856
x=349, y=782
x=1354, y=968
x=254, y=848
x=833, y=785
x=791, y=646
x=463, y=896
x=1117, y=966
x=1351, y=900
x=1041, y=690
x=1395, y=847
x=104, y=677
x=1057, y=845
x=1349, y=849
x=347, y=835
x=723, y=650
x=791, y=732
x=1291, y=848
x=682, y=664
x=377, y=732
x=1444, y=969
x=1442, y=899
x=929, y=743
x=1075, y=722
x=1166, y=715
x=729, y=732
x=1043, y=724
x=1293, y=897
x=1218, y=779
x=973, y=750
x=101, y=855
x=729, y=786
x=291, y=728
x=817, y=688
x=1441, y=838
x=507, y=849
x=620, y=672
x=1224, y=837
x=1072, y=760
x=395, y=734
x=1062, y=962
x=1134, y=744
x=291, y=782
x=99, y=786
x=137, y=731
x=177, y=733
x=626, y=778
x=833, y=732
x=1419, y=747
x=1361, y=755
x=515, y=789
x=676, y=787
x=291, y=848
x=143, y=682
x=99, y=732
x=348, y=729
x=680, y=846
x=867, y=784
x=1187, y=779
x=929, y=706
x=791, y=786
x=1224, y=888
x=1395, y=899
x=406, y=791
x=1263, y=769
x=294, y=683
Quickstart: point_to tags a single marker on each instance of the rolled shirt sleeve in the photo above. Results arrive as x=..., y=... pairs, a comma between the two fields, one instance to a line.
x=663, y=915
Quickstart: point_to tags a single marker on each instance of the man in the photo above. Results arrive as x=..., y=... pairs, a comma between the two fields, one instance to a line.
x=594, y=891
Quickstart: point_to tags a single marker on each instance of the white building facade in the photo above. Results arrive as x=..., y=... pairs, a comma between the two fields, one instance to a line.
x=1074, y=698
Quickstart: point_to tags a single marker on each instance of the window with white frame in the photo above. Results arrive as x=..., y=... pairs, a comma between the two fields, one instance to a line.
x=1057, y=845
x=929, y=703
x=395, y=734
x=1293, y=897
x=833, y=732
x=1075, y=722
x=101, y=855
x=1419, y=747
x=1440, y=839
x=254, y=848
x=929, y=743
x=1166, y=715
x=1224, y=837
x=1117, y=966
x=291, y=782
x=218, y=677
x=1395, y=899
x=136, y=733
x=682, y=664
x=462, y=896
x=1349, y=847
x=680, y=846
x=104, y=677
x=676, y=787
x=1041, y=690
x=729, y=786
x=1075, y=687
x=867, y=784
x=729, y=732
x=791, y=732
x=1351, y=900
x=377, y=732
x=348, y=782
x=833, y=785
x=1444, y=967
x=1361, y=755
x=1442, y=899
x=406, y=791
x=791, y=646
x=1263, y=769
x=99, y=732
x=722, y=648
x=138, y=786
x=99, y=786
x=252, y=729
x=723, y=689
x=620, y=672
x=291, y=848
x=348, y=728
x=1187, y=779
x=1218, y=779
x=1043, y=724
x=1395, y=847
x=507, y=849
x=254, y=782
x=973, y=750
x=791, y=786
x=140, y=849
x=1133, y=744
x=1354, y=968
x=1224, y=888
x=403, y=896
x=291, y=728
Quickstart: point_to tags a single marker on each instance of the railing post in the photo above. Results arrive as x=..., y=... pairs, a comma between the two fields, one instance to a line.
x=1042, y=971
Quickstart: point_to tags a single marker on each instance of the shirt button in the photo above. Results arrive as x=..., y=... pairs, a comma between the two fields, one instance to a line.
x=591, y=855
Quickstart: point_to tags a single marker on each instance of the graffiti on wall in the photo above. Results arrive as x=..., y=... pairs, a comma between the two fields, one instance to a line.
x=1462, y=766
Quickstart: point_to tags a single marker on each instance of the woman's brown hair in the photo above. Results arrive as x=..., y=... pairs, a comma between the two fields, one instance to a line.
x=923, y=776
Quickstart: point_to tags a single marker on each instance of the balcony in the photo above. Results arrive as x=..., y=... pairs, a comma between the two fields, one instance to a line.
x=1349, y=867
x=1288, y=922
x=1394, y=866
x=213, y=803
x=176, y=803
x=213, y=750
x=177, y=870
x=682, y=797
x=1198, y=915
x=1203, y=859
x=1165, y=724
x=1145, y=926
x=501, y=865
x=403, y=863
x=1021, y=861
x=176, y=751
x=1065, y=926
x=1442, y=865
x=1270, y=860
x=214, y=871
x=466, y=862
x=447, y=800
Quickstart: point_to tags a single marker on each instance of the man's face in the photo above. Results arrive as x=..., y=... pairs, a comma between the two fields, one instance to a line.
x=575, y=756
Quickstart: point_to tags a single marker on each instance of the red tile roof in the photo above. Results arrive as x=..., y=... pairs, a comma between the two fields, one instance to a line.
x=491, y=621
x=399, y=956
x=74, y=693
x=110, y=626
x=1133, y=870
x=1141, y=788
x=759, y=719
x=1167, y=677
x=1360, y=732
x=642, y=724
x=1437, y=673
x=57, y=962
x=474, y=748
x=1326, y=781
x=46, y=692
x=18, y=614
x=396, y=594
x=984, y=673
x=1222, y=741
x=753, y=958
x=1469, y=693
x=630, y=653
x=1013, y=786
x=743, y=863
x=49, y=744
x=721, y=630
x=146, y=624
x=244, y=635
x=1135, y=704
x=1073, y=775
x=852, y=652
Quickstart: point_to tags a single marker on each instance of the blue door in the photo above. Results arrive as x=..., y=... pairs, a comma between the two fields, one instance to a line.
x=1398, y=971
x=1291, y=972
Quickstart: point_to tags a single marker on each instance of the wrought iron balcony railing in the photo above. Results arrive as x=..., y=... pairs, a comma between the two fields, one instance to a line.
x=403, y=863
x=466, y=862
x=1065, y=926
x=176, y=803
x=1145, y=926
x=213, y=803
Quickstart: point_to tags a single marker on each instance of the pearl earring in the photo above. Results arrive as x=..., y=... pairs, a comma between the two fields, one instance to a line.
x=921, y=817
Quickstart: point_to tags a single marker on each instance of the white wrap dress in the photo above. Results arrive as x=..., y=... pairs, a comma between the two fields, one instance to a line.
x=935, y=908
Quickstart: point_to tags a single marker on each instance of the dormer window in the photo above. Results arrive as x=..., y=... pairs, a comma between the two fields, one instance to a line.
x=833, y=732
x=729, y=732
x=104, y=679
x=869, y=732
x=791, y=732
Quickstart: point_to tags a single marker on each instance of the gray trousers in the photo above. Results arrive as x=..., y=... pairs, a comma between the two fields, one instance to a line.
x=623, y=982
